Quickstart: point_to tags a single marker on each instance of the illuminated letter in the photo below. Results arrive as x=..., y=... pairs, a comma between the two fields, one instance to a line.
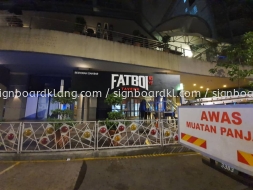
x=113, y=80
x=121, y=81
x=127, y=79
x=142, y=82
x=134, y=80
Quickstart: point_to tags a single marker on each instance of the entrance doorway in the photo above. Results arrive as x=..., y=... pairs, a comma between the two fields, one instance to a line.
x=132, y=107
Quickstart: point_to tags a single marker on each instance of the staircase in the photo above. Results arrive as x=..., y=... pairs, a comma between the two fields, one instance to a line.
x=223, y=100
x=171, y=105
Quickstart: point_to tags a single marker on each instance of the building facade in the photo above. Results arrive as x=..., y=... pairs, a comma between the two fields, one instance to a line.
x=43, y=42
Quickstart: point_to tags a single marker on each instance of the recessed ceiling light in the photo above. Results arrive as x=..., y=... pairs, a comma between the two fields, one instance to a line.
x=194, y=84
x=207, y=89
x=201, y=87
x=224, y=85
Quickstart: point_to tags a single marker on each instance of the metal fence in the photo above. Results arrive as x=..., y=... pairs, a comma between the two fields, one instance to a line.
x=169, y=131
x=86, y=135
x=55, y=136
x=10, y=137
x=128, y=133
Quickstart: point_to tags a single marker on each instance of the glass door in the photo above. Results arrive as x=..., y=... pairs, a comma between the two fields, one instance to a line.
x=42, y=107
x=133, y=105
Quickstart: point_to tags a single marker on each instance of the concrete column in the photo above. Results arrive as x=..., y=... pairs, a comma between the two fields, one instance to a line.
x=79, y=108
x=4, y=82
x=86, y=109
x=92, y=109
x=2, y=100
x=16, y=104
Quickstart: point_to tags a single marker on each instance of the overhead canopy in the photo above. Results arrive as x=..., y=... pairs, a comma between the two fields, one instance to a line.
x=186, y=24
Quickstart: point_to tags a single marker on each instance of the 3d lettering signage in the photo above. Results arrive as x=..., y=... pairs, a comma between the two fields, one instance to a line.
x=109, y=82
x=129, y=80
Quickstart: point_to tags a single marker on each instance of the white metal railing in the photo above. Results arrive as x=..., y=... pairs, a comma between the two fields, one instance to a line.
x=128, y=133
x=86, y=135
x=38, y=22
x=10, y=136
x=170, y=131
x=55, y=136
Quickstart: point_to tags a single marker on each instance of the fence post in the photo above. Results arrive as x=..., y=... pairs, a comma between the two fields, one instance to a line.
x=161, y=131
x=95, y=136
x=20, y=137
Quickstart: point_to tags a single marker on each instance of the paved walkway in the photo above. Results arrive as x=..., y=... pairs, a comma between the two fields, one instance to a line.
x=177, y=172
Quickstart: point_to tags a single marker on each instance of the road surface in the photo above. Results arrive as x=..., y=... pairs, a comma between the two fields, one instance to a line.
x=179, y=172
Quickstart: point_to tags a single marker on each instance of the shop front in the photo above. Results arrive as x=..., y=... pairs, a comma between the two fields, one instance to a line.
x=143, y=94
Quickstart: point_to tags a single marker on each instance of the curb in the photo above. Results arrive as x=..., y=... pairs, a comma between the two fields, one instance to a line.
x=97, y=154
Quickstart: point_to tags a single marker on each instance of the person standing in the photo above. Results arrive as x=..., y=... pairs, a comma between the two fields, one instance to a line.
x=142, y=109
x=125, y=112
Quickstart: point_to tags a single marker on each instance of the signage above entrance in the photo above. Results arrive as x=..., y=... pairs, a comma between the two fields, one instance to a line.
x=122, y=80
x=109, y=82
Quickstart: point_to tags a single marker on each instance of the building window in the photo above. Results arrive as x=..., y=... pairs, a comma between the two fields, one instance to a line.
x=184, y=1
x=186, y=10
x=116, y=108
x=191, y=2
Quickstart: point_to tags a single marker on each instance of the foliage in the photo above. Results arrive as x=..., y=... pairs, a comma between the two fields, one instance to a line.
x=57, y=123
x=111, y=125
x=137, y=35
x=115, y=115
x=248, y=38
x=239, y=59
x=113, y=100
x=65, y=97
x=64, y=114
x=166, y=39
x=80, y=24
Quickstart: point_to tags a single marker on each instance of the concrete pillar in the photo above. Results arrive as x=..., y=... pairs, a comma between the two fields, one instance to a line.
x=92, y=109
x=4, y=83
x=15, y=105
x=79, y=108
x=86, y=109
x=2, y=100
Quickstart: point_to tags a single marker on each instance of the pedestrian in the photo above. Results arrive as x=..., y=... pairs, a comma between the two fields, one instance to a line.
x=142, y=109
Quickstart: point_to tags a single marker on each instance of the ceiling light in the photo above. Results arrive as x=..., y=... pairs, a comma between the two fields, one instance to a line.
x=194, y=84
x=201, y=87
x=224, y=85
x=207, y=89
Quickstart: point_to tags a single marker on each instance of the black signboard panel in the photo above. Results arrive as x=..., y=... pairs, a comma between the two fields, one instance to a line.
x=109, y=82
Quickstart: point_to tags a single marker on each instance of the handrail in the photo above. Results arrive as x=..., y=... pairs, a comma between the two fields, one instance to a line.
x=87, y=135
x=172, y=103
x=17, y=21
